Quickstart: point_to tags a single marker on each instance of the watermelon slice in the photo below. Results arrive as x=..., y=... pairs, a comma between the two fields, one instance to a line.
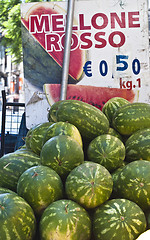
x=96, y=96
x=77, y=56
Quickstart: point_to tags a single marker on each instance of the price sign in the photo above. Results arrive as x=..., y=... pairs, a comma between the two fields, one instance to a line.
x=109, y=46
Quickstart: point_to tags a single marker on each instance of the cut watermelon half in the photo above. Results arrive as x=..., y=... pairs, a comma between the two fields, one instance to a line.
x=96, y=96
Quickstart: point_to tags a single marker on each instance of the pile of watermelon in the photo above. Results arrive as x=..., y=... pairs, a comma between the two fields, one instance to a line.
x=82, y=175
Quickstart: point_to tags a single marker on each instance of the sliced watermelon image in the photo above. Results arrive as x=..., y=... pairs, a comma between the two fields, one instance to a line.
x=43, y=66
x=96, y=96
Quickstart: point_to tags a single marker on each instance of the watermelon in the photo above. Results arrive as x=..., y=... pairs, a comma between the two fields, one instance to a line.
x=131, y=117
x=52, y=111
x=96, y=96
x=113, y=132
x=118, y=219
x=133, y=183
x=89, y=184
x=138, y=145
x=12, y=165
x=17, y=220
x=89, y=120
x=62, y=153
x=65, y=220
x=107, y=150
x=6, y=190
x=62, y=128
x=115, y=175
x=36, y=137
x=28, y=137
x=112, y=105
x=40, y=186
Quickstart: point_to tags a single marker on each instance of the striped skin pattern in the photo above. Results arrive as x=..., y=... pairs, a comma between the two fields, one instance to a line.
x=28, y=136
x=89, y=120
x=52, y=111
x=138, y=145
x=89, y=184
x=36, y=137
x=133, y=183
x=6, y=190
x=40, y=186
x=107, y=150
x=65, y=220
x=17, y=220
x=12, y=165
x=111, y=106
x=63, y=128
x=115, y=175
x=132, y=117
x=114, y=133
x=118, y=219
x=62, y=153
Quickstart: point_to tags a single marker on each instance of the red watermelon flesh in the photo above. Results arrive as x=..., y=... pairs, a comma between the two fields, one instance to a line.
x=96, y=96
x=77, y=56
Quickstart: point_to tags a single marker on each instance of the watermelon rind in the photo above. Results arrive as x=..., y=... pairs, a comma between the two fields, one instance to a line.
x=40, y=186
x=118, y=219
x=89, y=120
x=62, y=153
x=133, y=183
x=131, y=118
x=12, y=165
x=65, y=220
x=90, y=184
x=138, y=145
x=111, y=106
x=62, y=128
x=107, y=150
x=17, y=219
x=36, y=137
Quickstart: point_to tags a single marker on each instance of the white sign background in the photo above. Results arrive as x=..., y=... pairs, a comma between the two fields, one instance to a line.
x=116, y=73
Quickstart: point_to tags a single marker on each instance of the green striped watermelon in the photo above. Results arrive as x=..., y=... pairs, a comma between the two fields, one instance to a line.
x=131, y=117
x=107, y=150
x=17, y=220
x=89, y=120
x=89, y=184
x=28, y=136
x=111, y=106
x=40, y=186
x=52, y=111
x=62, y=153
x=65, y=220
x=12, y=165
x=6, y=190
x=36, y=137
x=133, y=183
x=113, y=132
x=118, y=219
x=62, y=128
x=138, y=145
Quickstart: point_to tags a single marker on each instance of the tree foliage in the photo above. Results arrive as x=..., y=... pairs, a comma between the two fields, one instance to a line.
x=10, y=27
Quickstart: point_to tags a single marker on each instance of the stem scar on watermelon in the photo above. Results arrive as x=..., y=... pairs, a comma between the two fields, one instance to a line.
x=96, y=96
x=43, y=63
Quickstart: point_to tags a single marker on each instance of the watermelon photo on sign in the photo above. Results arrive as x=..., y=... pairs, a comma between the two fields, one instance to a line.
x=96, y=96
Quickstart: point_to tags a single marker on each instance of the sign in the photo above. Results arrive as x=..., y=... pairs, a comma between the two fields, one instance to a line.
x=110, y=48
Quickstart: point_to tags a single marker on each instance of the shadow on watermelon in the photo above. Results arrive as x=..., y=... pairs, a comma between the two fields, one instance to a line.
x=96, y=96
x=41, y=66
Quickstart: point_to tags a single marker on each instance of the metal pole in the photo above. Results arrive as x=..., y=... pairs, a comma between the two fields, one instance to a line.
x=67, y=47
x=3, y=124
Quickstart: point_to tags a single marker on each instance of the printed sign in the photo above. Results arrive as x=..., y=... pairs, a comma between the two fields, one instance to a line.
x=109, y=53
